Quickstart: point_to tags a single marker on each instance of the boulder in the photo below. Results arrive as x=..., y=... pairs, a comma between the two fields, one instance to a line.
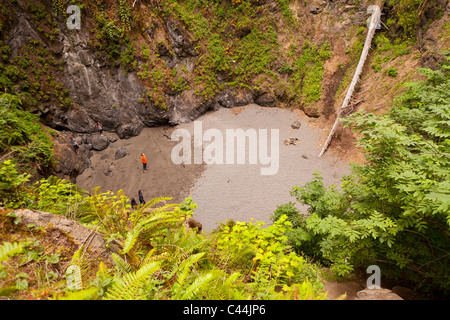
x=311, y=111
x=68, y=164
x=265, y=100
x=99, y=142
x=226, y=99
x=377, y=294
x=296, y=124
x=129, y=130
x=120, y=153
x=96, y=246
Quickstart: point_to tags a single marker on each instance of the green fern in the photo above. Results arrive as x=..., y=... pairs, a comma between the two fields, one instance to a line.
x=121, y=265
x=128, y=287
x=199, y=283
x=158, y=219
x=136, y=215
x=184, y=268
x=9, y=249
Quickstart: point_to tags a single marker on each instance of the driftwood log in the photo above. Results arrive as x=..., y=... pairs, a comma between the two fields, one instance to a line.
x=374, y=24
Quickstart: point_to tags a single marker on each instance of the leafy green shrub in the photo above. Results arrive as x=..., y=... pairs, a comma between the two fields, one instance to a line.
x=54, y=195
x=391, y=72
x=247, y=246
x=407, y=12
x=12, y=184
x=125, y=14
x=145, y=51
x=393, y=211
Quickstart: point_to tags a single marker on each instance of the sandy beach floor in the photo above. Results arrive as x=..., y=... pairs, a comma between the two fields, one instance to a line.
x=221, y=191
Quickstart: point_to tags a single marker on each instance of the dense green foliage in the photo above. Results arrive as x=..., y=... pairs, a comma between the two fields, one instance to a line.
x=394, y=210
x=22, y=136
x=157, y=257
x=52, y=194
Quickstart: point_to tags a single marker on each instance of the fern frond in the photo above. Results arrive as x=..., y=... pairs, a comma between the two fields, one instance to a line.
x=9, y=249
x=128, y=287
x=149, y=225
x=121, y=265
x=184, y=268
x=76, y=258
x=198, y=284
x=151, y=257
x=137, y=214
x=187, y=241
x=131, y=239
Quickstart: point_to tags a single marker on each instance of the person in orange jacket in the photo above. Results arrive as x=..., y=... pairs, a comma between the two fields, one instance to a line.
x=144, y=161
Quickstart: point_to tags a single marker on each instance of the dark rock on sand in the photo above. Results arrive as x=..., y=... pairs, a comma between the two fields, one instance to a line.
x=120, y=153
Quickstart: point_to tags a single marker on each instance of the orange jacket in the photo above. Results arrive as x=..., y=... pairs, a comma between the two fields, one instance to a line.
x=143, y=159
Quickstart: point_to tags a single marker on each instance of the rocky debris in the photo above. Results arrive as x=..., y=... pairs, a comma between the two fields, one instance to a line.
x=296, y=124
x=292, y=141
x=93, y=241
x=314, y=9
x=120, y=153
x=305, y=156
x=376, y=294
x=110, y=169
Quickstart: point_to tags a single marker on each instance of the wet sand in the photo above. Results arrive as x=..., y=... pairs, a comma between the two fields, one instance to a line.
x=221, y=191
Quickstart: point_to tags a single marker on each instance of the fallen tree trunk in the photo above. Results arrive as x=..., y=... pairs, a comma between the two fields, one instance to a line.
x=374, y=24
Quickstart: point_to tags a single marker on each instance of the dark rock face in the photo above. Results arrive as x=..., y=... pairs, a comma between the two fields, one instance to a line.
x=108, y=94
x=265, y=100
x=226, y=99
x=181, y=45
x=99, y=91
